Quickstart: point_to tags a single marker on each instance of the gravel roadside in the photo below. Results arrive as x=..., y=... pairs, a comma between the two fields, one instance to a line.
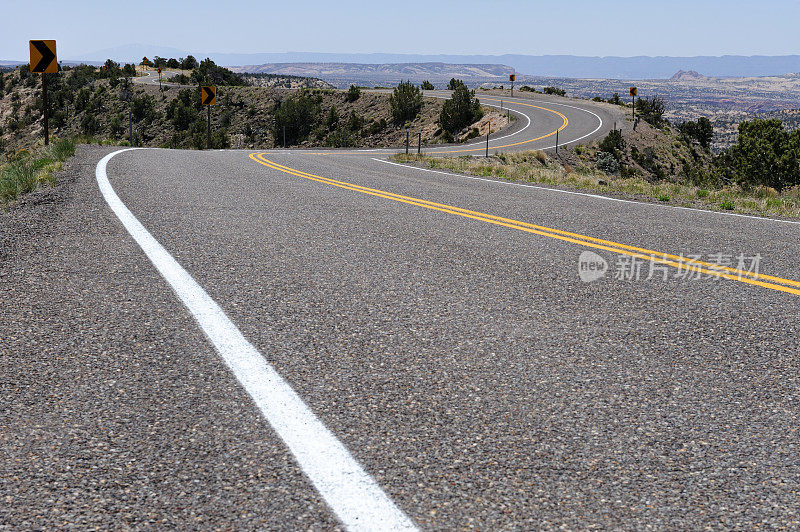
x=116, y=413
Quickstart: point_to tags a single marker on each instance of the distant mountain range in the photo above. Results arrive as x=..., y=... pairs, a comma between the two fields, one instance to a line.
x=564, y=66
x=343, y=74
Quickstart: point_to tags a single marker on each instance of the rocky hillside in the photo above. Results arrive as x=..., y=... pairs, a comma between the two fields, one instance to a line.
x=84, y=104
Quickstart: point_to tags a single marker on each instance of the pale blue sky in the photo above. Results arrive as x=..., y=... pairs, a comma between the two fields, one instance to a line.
x=605, y=27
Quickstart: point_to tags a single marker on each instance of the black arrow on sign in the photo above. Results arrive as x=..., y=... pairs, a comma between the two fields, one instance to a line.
x=47, y=56
x=208, y=96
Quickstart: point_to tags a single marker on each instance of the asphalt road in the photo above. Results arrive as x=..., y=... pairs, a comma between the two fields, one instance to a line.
x=436, y=325
x=150, y=77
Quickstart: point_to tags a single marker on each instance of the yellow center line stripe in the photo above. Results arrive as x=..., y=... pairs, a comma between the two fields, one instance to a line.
x=575, y=238
x=645, y=251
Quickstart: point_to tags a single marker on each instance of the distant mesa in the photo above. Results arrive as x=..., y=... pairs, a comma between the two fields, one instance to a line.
x=686, y=75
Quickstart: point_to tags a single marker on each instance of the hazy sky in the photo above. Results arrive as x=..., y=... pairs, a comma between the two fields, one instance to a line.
x=604, y=27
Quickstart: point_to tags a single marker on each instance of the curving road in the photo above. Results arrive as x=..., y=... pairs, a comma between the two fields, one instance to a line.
x=309, y=339
x=538, y=122
x=150, y=77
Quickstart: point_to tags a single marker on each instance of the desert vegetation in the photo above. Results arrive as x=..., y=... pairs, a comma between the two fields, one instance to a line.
x=28, y=170
x=405, y=102
x=460, y=111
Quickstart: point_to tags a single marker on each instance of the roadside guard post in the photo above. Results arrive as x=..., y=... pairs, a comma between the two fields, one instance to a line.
x=208, y=97
x=488, y=132
x=43, y=61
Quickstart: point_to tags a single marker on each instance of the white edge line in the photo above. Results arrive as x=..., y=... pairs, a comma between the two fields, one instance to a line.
x=596, y=196
x=461, y=147
x=351, y=492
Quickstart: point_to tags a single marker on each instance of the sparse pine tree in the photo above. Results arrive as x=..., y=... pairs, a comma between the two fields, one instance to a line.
x=332, y=120
x=353, y=94
x=454, y=84
x=405, y=102
x=461, y=110
x=189, y=63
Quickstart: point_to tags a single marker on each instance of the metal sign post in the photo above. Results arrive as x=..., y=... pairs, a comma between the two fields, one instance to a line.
x=488, y=132
x=43, y=61
x=512, y=78
x=208, y=97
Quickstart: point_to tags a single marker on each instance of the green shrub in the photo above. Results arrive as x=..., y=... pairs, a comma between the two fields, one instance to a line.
x=188, y=63
x=143, y=108
x=461, y=110
x=82, y=99
x=651, y=110
x=182, y=115
x=405, y=102
x=355, y=122
x=19, y=177
x=62, y=149
x=377, y=126
x=607, y=162
x=332, y=119
x=554, y=90
x=298, y=115
x=454, y=84
x=702, y=131
x=353, y=94
x=702, y=193
x=89, y=124
x=613, y=143
x=766, y=154
x=728, y=205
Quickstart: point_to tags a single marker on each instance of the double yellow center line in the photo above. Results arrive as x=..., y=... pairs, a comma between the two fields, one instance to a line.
x=676, y=261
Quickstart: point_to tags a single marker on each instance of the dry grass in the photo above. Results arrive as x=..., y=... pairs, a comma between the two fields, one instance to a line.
x=537, y=167
x=28, y=171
